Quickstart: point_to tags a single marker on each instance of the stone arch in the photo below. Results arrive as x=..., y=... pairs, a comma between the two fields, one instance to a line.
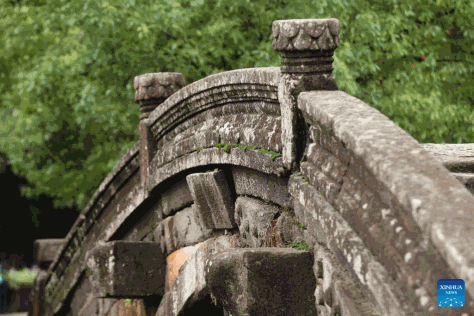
x=234, y=168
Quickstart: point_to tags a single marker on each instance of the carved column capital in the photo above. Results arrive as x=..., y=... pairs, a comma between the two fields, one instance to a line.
x=306, y=46
x=154, y=88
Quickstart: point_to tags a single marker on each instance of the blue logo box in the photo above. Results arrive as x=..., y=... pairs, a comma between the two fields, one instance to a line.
x=451, y=293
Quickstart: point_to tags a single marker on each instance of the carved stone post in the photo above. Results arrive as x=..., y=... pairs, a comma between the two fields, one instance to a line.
x=306, y=48
x=151, y=90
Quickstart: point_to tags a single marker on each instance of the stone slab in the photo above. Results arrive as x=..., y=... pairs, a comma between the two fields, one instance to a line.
x=263, y=281
x=46, y=250
x=126, y=269
x=212, y=199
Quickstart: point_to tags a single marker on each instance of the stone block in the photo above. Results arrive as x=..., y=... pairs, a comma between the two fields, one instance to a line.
x=213, y=199
x=263, y=281
x=268, y=187
x=288, y=230
x=185, y=278
x=126, y=269
x=176, y=197
x=181, y=230
x=253, y=216
x=45, y=251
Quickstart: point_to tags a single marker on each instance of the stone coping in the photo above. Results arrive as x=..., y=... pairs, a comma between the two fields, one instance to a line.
x=441, y=206
x=125, y=161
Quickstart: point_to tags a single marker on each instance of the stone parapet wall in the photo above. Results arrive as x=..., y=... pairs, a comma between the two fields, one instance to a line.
x=267, y=191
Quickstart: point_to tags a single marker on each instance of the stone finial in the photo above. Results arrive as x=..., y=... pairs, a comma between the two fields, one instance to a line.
x=306, y=46
x=154, y=88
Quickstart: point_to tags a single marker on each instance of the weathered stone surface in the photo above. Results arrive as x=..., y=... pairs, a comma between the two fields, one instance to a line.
x=439, y=204
x=237, y=85
x=289, y=232
x=46, y=250
x=152, y=89
x=337, y=289
x=176, y=197
x=107, y=195
x=263, y=281
x=467, y=179
x=332, y=166
x=253, y=216
x=328, y=187
x=190, y=283
x=126, y=269
x=181, y=230
x=455, y=157
x=90, y=307
x=268, y=187
x=304, y=35
x=212, y=199
x=213, y=156
x=261, y=131
x=82, y=294
x=332, y=230
x=121, y=307
x=147, y=149
x=266, y=107
x=185, y=280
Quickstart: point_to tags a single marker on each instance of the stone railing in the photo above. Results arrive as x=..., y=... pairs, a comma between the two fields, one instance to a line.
x=267, y=191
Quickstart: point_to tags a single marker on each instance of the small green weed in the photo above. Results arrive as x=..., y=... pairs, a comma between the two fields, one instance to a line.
x=227, y=148
x=128, y=301
x=298, y=224
x=199, y=149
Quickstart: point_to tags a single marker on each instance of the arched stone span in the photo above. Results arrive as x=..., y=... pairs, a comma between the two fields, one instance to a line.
x=191, y=212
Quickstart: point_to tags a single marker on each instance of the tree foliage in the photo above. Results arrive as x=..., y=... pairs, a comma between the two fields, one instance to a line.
x=67, y=69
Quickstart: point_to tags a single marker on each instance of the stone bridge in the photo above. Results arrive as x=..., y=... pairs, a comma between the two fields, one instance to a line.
x=267, y=191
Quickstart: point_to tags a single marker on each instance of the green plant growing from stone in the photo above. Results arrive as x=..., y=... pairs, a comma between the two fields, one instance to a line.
x=128, y=301
x=228, y=147
x=298, y=223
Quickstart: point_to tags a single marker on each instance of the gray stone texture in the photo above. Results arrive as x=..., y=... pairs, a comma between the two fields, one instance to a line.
x=253, y=216
x=263, y=281
x=268, y=187
x=126, y=269
x=262, y=131
x=331, y=229
x=212, y=199
x=391, y=217
x=152, y=89
x=216, y=156
x=305, y=35
x=46, y=250
x=232, y=86
x=266, y=107
x=338, y=290
x=181, y=230
x=191, y=285
x=437, y=202
x=289, y=232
